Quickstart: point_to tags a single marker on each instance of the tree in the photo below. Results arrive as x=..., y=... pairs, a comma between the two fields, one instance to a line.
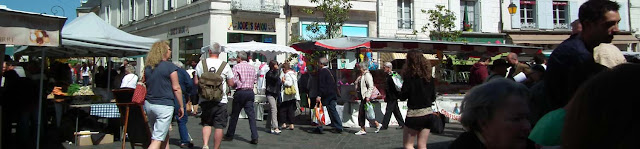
x=335, y=13
x=441, y=23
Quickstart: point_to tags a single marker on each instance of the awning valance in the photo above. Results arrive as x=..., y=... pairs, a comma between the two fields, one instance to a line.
x=557, y=39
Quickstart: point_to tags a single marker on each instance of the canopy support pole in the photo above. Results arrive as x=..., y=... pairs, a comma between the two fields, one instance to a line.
x=40, y=99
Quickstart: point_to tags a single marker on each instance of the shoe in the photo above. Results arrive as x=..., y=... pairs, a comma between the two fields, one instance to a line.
x=274, y=131
x=255, y=141
x=378, y=128
x=361, y=132
x=186, y=145
x=338, y=131
x=205, y=147
x=227, y=138
x=317, y=131
x=384, y=128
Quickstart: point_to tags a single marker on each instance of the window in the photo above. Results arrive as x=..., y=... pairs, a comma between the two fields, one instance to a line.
x=469, y=16
x=107, y=14
x=148, y=7
x=355, y=31
x=560, y=15
x=121, y=15
x=527, y=14
x=404, y=14
x=169, y=4
x=132, y=10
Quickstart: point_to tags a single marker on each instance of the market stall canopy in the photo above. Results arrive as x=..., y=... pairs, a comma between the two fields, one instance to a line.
x=402, y=45
x=89, y=35
x=270, y=50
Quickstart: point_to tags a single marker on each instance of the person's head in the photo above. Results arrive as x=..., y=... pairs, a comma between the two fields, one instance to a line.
x=286, y=67
x=125, y=62
x=129, y=69
x=178, y=64
x=242, y=56
x=576, y=27
x=213, y=50
x=500, y=67
x=602, y=111
x=417, y=66
x=160, y=51
x=498, y=110
x=323, y=61
x=599, y=19
x=388, y=67
x=194, y=63
x=273, y=65
x=363, y=66
x=539, y=59
x=512, y=58
x=100, y=69
x=485, y=60
x=537, y=73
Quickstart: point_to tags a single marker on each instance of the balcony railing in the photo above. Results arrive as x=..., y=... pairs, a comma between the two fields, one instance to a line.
x=405, y=24
x=560, y=26
x=270, y=6
x=529, y=25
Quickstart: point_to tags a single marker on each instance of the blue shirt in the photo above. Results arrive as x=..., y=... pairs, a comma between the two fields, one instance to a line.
x=186, y=85
x=566, y=63
x=158, y=81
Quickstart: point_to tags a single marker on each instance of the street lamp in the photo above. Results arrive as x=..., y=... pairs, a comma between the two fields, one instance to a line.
x=512, y=8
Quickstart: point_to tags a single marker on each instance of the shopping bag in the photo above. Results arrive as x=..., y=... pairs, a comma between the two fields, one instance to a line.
x=139, y=94
x=319, y=115
x=369, y=111
x=397, y=81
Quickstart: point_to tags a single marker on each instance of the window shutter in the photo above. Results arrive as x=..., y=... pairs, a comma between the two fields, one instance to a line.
x=624, y=17
x=573, y=11
x=544, y=14
x=454, y=6
x=515, y=18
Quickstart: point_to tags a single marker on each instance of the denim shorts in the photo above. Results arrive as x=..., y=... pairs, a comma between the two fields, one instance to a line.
x=159, y=119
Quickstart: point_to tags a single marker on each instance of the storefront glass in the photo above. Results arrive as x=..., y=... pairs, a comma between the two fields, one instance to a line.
x=190, y=48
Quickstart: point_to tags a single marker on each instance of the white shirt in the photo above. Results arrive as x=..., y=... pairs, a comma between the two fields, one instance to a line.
x=129, y=81
x=85, y=73
x=213, y=65
x=190, y=72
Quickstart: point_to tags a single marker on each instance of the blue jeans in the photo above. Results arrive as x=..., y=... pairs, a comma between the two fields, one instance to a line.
x=182, y=122
x=85, y=80
x=336, y=121
x=243, y=99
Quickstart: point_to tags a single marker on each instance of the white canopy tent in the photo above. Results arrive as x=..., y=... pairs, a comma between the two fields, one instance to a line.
x=270, y=50
x=90, y=36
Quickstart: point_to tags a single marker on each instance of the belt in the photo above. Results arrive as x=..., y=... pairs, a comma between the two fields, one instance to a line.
x=243, y=89
x=261, y=76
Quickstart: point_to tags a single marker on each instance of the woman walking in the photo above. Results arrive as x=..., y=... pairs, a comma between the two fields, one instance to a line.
x=287, y=109
x=84, y=75
x=163, y=87
x=364, y=87
x=419, y=89
x=273, y=88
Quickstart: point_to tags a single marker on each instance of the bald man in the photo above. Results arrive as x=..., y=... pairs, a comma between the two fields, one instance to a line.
x=516, y=66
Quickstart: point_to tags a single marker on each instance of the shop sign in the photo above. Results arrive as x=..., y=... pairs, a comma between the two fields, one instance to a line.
x=178, y=30
x=253, y=26
x=21, y=29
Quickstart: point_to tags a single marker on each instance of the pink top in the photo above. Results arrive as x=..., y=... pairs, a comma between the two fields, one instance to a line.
x=246, y=75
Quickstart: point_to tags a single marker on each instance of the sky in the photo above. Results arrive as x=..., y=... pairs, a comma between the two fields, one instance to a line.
x=44, y=6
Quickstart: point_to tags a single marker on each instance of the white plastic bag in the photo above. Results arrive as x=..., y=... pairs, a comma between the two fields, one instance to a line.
x=397, y=80
x=369, y=111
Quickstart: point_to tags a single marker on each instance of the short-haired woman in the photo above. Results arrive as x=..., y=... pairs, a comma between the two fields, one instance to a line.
x=364, y=87
x=287, y=109
x=163, y=87
x=130, y=79
x=419, y=89
x=272, y=91
x=495, y=116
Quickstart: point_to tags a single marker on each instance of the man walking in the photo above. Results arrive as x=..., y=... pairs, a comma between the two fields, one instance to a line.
x=327, y=95
x=186, y=85
x=571, y=63
x=391, y=99
x=214, y=114
x=243, y=98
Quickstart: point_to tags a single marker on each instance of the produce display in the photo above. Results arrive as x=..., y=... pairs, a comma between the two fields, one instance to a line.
x=73, y=88
x=84, y=91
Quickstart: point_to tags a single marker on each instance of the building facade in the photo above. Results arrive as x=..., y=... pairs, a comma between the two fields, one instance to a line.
x=634, y=17
x=361, y=22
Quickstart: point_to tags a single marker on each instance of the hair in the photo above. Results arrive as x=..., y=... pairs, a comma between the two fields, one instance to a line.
x=179, y=64
x=484, y=58
x=286, y=66
x=323, y=61
x=273, y=64
x=499, y=62
x=482, y=101
x=243, y=56
x=417, y=66
x=363, y=65
x=539, y=58
x=129, y=69
x=388, y=64
x=215, y=48
x=157, y=52
x=601, y=113
x=594, y=10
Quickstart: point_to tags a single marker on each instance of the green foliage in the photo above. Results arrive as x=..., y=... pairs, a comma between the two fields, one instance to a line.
x=441, y=24
x=335, y=13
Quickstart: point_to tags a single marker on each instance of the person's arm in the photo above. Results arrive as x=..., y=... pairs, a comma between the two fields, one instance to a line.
x=484, y=73
x=177, y=91
x=188, y=83
x=405, y=91
x=322, y=77
x=369, y=81
x=230, y=77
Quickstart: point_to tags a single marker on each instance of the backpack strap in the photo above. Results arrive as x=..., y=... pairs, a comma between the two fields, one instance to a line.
x=222, y=66
x=204, y=65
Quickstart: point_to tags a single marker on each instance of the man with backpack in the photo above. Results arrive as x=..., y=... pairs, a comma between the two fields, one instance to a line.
x=213, y=77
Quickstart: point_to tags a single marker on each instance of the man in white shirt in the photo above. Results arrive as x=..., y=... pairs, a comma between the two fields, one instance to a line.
x=214, y=114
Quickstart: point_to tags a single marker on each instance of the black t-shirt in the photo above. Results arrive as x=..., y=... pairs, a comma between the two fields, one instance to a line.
x=158, y=81
x=419, y=92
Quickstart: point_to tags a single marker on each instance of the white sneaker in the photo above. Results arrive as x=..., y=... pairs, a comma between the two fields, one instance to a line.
x=361, y=132
x=378, y=128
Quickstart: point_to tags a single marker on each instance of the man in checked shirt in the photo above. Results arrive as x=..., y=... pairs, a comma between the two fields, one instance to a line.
x=243, y=97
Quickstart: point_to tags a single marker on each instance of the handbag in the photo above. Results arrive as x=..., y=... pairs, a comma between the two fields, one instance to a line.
x=289, y=90
x=319, y=116
x=437, y=120
x=375, y=94
x=140, y=93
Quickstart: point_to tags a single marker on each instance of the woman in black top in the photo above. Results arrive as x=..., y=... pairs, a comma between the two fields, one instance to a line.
x=273, y=88
x=419, y=89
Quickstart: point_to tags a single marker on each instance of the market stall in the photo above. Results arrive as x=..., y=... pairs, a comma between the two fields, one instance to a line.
x=373, y=50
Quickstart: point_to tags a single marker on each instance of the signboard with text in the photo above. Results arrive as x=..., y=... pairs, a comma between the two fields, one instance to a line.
x=253, y=25
x=19, y=28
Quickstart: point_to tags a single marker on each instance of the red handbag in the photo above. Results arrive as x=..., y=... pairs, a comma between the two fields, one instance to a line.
x=139, y=93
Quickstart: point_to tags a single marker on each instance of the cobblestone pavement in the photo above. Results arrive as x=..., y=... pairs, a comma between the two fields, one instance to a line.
x=300, y=138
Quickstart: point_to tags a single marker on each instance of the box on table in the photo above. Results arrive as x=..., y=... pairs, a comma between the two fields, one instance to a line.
x=85, y=140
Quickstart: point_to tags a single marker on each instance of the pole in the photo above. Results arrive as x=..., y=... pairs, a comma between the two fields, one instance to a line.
x=40, y=101
x=2, y=48
x=109, y=65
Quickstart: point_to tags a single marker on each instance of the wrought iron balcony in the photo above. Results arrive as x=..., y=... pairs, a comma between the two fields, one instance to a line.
x=269, y=6
x=529, y=25
x=560, y=26
x=405, y=24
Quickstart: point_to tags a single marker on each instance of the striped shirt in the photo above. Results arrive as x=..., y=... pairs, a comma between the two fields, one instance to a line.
x=246, y=75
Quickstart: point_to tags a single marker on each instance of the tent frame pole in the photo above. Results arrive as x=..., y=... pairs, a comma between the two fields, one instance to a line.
x=40, y=99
